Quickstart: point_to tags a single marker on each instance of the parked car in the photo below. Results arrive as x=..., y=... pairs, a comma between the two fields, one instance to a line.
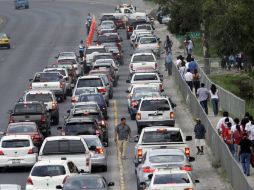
x=5, y=41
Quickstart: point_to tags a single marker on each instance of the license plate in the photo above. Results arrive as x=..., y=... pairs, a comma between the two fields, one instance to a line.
x=155, y=117
x=16, y=161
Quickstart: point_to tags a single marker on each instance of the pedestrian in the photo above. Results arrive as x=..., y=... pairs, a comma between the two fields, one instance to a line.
x=227, y=136
x=122, y=135
x=200, y=132
x=182, y=69
x=168, y=62
x=186, y=41
x=188, y=78
x=190, y=47
x=250, y=131
x=231, y=61
x=88, y=23
x=236, y=122
x=196, y=80
x=168, y=44
x=214, y=99
x=179, y=61
x=221, y=120
x=237, y=136
x=203, y=96
x=81, y=49
x=244, y=151
x=192, y=65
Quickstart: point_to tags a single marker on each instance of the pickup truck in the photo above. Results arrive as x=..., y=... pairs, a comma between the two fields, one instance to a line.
x=52, y=81
x=159, y=137
x=146, y=78
x=32, y=111
x=90, y=52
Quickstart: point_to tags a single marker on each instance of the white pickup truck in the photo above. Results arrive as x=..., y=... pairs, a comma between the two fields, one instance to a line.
x=160, y=137
x=130, y=12
x=52, y=81
x=146, y=78
x=71, y=148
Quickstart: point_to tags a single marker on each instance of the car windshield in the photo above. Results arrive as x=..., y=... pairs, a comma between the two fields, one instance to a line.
x=108, y=38
x=17, y=143
x=89, y=82
x=80, y=128
x=85, y=91
x=166, y=158
x=24, y=128
x=145, y=77
x=161, y=136
x=148, y=40
x=92, y=115
x=93, y=142
x=145, y=58
x=2, y=35
x=142, y=94
x=61, y=61
x=91, y=98
x=85, y=183
x=163, y=179
x=61, y=71
x=99, y=50
x=48, y=170
x=39, y=97
x=28, y=108
x=47, y=77
x=146, y=27
x=63, y=147
x=155, y=105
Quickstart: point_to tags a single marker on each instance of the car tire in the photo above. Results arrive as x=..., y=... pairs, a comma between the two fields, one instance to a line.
x=104, y=168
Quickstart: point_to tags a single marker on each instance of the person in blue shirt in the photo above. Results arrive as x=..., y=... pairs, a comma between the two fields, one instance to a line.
x=168, y=62
x=192, y=65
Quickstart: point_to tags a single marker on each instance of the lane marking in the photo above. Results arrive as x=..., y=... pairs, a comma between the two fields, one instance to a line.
x=120, y=162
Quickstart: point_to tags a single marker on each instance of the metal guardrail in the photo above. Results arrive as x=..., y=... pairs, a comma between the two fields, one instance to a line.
x=219, y=148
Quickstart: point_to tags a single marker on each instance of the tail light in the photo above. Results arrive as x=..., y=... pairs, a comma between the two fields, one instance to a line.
x=186, y=168
x=29, y=181
x=187, y=151
x=1, y=152
x=128, y=29
x=161, y=87
x=99, y=150
x=171, y=115
x=131, y=66
x=11, y=120
x=65, y=179
x=102, y=90
x=148, y=170
x=43, y=119
x=54, y=105
x=61, y=85
x=188, y=189
x=140, y=153
x=138, y=116
x=30, y=86
x=87, y=161
x=30, y=151
x=134, y=103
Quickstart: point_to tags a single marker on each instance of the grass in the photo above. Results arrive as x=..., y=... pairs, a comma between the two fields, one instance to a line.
x=198, y=48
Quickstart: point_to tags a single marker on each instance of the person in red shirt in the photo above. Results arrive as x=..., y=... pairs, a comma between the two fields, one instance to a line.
x=227, y=136
x=237, y=137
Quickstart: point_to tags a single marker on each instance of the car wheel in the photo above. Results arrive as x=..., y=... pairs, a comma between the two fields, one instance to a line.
x=104, y=168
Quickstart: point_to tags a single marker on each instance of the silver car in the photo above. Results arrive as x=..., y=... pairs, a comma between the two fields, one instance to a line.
x=98, y=151
x=161, y=158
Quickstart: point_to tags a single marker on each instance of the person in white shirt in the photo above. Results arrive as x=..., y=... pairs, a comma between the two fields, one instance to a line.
x=221, y=120
x=179, y=61
x=214, y=99
x=190, y=46
x=250, y=132
x=237, y=122
x=188, y=78
x=182, y=69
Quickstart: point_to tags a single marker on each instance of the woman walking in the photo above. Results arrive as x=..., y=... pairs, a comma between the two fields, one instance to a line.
x=214, y=99
x=196, y=80
x=237, y=136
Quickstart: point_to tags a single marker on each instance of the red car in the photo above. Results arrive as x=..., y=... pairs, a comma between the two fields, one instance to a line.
x=26, y=128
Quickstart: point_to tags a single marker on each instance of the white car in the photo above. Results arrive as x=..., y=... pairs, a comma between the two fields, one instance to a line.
x=91, y=51
x=71, y=148
x=82, y=90
x=10, y=187
x=17, y=150
x=143, y=61
x=137, y=32
x=149, y=43
x=173, y=179
x=49, y=174
x=145, y=27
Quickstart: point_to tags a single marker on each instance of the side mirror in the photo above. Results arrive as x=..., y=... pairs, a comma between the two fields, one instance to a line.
x=128, y=81
x=136, y=138
x=93, y=148
x=56, y=57
x=127, y=91
x=130, y=54
x=95, y=41
x=136, y=163
x=105, y=144
x=35, y=150
x=110, y=184
x=59, y=187
x=143, y=185
x=191, y=159
x=161, y=76
x=197, y=181
x=188, y=138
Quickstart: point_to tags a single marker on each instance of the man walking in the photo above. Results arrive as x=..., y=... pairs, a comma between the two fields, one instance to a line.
x=168, y=62
x=168, y=44
x=200, y=132
x=189, y=79
x=203, y=95
x=122, y=135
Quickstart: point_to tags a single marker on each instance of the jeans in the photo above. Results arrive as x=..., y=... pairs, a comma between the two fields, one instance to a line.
x=231, y=148
x=204, y=105
x=122, y=147
x=236, y=152
x=196, y=84
x=245, y=161
x=190, y=84
x=215, y=103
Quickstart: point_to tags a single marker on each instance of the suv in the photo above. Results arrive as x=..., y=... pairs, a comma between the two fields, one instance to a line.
x=149, y=42
x=49, y=99
x=143, y=61
x=154, y=111
x=90, y=52
x=32, y=111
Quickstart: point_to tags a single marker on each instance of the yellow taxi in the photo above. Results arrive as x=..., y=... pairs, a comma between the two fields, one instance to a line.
x=5, y=40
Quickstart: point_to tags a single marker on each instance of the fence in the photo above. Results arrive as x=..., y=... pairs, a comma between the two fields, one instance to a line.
x=218, y=147
x=228, y=101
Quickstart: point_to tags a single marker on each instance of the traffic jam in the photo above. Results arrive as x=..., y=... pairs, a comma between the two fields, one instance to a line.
x=65, y=158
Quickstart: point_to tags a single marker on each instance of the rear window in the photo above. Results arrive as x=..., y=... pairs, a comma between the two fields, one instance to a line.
x=143, y=94
x=28, y=108
x=145, y=27
x=17, y=143
x=85, y=91
x=108, y=38
x=21, y=128
x=99, y=50
x=171, y=179
x=80, y=128
x=166, y=158
x=92, y=115
x=64, y=61
x=155, y=105
x=39, y=97
x=161, y=136
x=64, y=147
x=47, y=77
x=140, y=58
x=148, y=40
x=93, y=82
x=91, y=98
x=43, y=171
x=145, y=77
x=85, y=183
x=61, y=71
x=93, y=142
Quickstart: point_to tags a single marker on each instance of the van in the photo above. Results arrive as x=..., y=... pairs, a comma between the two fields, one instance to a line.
x=21, y=4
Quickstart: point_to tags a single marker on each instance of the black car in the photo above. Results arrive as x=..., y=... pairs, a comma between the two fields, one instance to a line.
x=86, y=181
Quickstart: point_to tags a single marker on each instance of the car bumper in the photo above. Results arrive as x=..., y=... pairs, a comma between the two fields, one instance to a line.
x=58, y=92
x=27, y=161
x=170, y=123
x=99, y=160
x=4, y=44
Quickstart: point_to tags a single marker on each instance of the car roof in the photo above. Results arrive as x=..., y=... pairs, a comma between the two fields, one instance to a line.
x=23, y=123
x=39, y=92
x=81, y=176
x=164, y=151
x=142, y=53
x=89, y=136
x=11, y=137
x=85, y=103
x=155, y=128
x=95, y=47
x=51, y=162
x=89, y=77
x=54, y=138
x=170, y=171
x=152, y=73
